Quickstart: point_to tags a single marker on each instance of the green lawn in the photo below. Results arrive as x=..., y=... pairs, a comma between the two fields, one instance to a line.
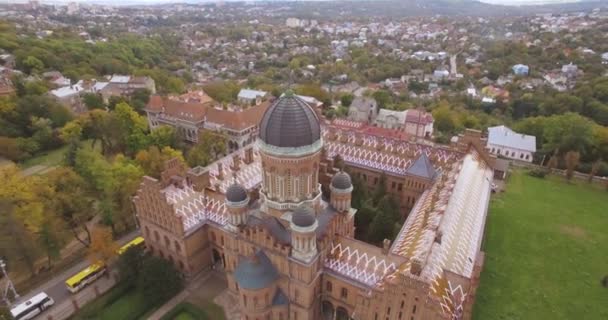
x=120, y=303
x=188, y=311
x=49, y=159
x=546, y=252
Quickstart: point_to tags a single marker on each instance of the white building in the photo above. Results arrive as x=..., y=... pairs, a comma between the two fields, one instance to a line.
x=507, y=143
x=251, y=97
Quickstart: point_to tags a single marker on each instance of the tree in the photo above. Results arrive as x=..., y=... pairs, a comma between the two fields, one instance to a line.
x=51, y=238
x=572, y=161
x=208, y=148
x=139, y=99
x=381, y=227
x=130, y=263
x=383, y=98
x=93, y=101
x=346, y=100
x=159, y=280
x=445, y=121
x=165, y=136
x=569, y=131
x=152, y=161
x=5, y=313
x=222, y=91
x=72, y=203
x=17, y=242
x=595, y=167
x=32, y=65
x=553, y=161
x=102, y=248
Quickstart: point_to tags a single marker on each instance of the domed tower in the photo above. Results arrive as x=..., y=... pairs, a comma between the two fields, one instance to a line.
x=290, y=147
x=237, y=200
x=304, y=237
x=341, y=191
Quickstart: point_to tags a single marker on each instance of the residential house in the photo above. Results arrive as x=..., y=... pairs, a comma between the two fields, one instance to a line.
x=417, y=123
x=570, y=70
x=605, y=58
x=507, y=143
x=521, y=70
x=119, y=85
x=69, y=96
x=363, y=109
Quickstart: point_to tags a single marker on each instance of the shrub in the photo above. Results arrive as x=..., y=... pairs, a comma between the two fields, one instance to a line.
x=538, y=173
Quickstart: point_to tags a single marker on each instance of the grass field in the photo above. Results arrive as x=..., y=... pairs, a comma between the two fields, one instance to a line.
x=49, y=159
x=120, y=303
x=546, y=252
x=189, y=311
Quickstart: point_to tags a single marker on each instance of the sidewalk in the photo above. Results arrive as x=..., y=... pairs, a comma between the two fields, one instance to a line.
x=207, y=286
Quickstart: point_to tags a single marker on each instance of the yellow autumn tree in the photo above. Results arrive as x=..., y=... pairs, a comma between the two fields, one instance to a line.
x=103, y=247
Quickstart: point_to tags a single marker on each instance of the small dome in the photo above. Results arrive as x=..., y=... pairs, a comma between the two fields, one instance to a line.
x=303, y=217
x=236, y=193
x=341, y=180
x=290, y=123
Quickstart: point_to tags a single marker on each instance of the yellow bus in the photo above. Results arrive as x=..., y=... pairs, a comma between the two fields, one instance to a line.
x=133, y=243
x=85, y=277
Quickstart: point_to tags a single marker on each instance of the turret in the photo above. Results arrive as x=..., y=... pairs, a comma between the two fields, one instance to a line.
x=341, y=191
x=237, y=200
x=304, y=237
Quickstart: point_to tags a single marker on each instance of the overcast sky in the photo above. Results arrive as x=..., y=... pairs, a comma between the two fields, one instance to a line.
x=516, y=2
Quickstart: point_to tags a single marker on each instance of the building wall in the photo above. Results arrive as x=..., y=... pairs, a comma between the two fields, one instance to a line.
x=511, y=153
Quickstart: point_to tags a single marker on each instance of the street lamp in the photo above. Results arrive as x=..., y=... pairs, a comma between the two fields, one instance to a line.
x=9, y=285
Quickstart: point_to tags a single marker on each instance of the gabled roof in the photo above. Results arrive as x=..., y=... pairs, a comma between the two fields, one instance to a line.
x=255, y=272
x=422, y=167
x=505, y=137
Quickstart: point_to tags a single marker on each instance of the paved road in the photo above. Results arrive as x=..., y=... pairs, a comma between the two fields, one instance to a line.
x=55, y=287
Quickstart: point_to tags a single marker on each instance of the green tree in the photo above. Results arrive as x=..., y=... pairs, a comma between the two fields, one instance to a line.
x=93, y=101
x=32, y=65
x=207, y=150
x=165, y=136
x=72, y=202
x=383, y=98
x=159, y=280
x=129, y=265
x=382, y=227
x=346, y=100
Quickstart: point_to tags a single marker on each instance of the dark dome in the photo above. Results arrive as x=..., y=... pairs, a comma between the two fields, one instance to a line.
x=236, y=193
x=303, y=217
x=290, y=122
x=341, y=180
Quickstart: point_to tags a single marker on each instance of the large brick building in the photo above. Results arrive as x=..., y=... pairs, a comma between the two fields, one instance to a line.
x=288, y=253
x=195, y=111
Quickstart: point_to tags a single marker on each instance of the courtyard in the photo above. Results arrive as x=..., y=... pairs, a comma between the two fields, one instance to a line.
x=546, y=251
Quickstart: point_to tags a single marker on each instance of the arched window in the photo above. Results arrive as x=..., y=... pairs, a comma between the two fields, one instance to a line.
x=147, y=231
x=167, y=242
x=177, y=246
x=328, y=286
x=344, y=293
x=156, y=236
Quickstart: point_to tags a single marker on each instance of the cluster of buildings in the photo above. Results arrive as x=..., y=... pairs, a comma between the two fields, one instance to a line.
x=413, y=122
x=194, y=112
x=276, y=218
x=70, y=95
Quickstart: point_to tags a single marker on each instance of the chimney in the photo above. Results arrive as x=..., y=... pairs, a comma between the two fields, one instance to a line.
x=220, y=171
x=416, y=267
x=248, y=155
x=236, y=162
x=198, y=178
x=386, y=245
